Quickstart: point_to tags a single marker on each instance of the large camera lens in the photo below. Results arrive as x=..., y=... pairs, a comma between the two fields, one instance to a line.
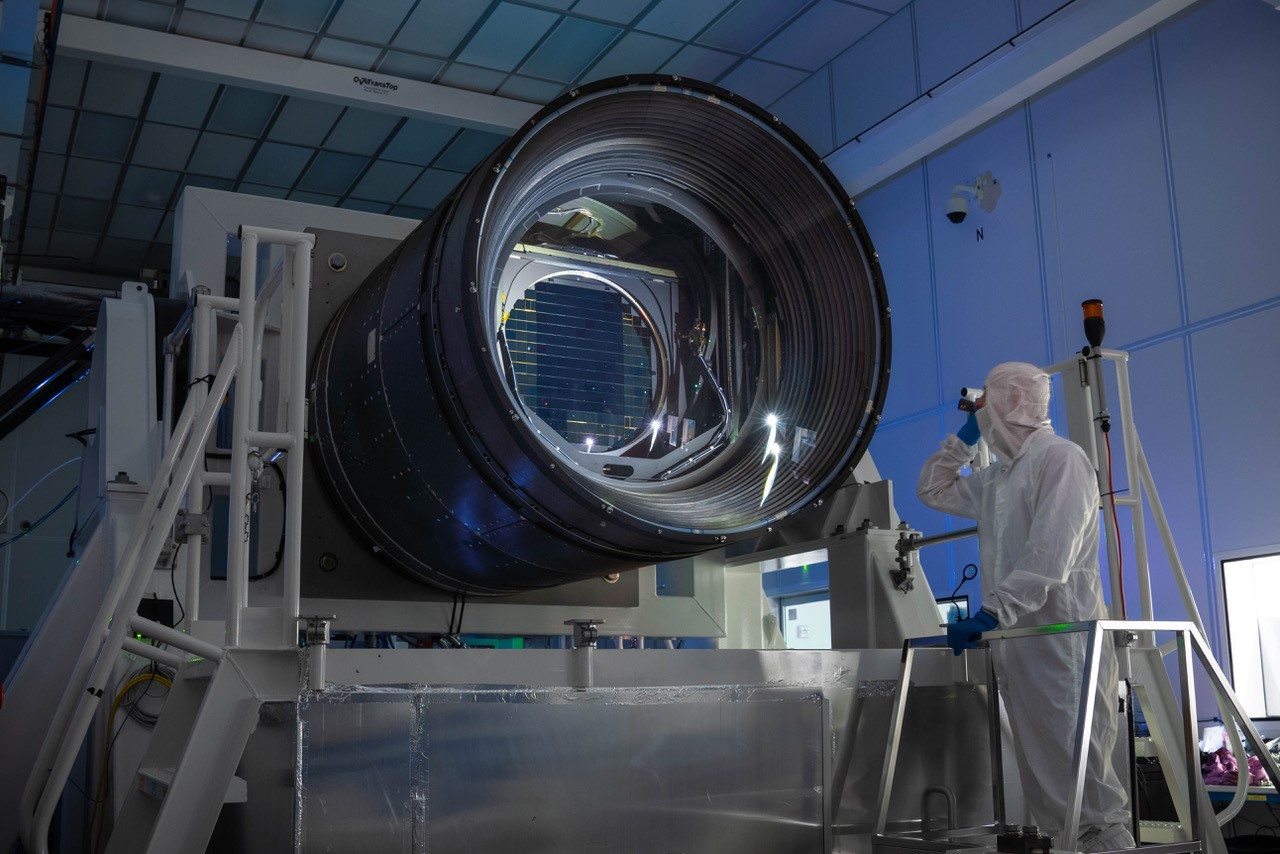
x=648, y=325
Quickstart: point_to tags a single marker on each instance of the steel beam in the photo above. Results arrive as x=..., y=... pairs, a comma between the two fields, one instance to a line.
x=1076, y=35
x=151, y=50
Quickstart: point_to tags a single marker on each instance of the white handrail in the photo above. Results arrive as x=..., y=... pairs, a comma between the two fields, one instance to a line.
x=89, y=678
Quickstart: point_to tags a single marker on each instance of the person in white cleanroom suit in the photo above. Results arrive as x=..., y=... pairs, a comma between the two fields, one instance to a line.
x=1038, y=529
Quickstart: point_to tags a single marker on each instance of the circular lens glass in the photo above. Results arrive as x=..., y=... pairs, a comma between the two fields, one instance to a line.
x=626, y=336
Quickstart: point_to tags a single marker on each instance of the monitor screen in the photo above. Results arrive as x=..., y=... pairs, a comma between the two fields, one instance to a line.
x=953, y=608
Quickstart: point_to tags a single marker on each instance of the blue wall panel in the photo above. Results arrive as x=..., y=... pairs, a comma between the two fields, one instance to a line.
x=1104, y=204
x=951, y=35
x=1220, y=65
x=990, y=307
x=874, y=77
x=1239, y=395
x=1146, y=180
x=904, y=259
x=1162, y=414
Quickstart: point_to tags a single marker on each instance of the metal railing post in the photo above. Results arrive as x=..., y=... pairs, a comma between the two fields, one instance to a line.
x=298, y=299
x=89, y=678
x=238, y=502
x=896, y=721
x=1084, y=732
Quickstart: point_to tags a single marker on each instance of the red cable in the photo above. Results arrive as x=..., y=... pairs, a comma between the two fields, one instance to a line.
x=1111, y=492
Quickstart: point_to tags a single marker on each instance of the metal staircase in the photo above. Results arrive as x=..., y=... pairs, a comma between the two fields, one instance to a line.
x=188, y=770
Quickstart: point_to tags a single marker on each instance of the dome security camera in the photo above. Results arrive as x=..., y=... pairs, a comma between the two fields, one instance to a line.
x=957, y=207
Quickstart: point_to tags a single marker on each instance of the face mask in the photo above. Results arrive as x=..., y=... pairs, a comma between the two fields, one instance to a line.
x=986, y=424
x=994, y=436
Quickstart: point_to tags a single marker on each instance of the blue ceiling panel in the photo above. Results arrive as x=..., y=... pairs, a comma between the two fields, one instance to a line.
x=56, y=134
x=526, y=89
x=681, y=19
x=507, y=36
x=410, y=65
x=304, y=122
x=65, y=85
x=277, y=40
x=749, y=23
x=181, y=101
x=419, y=142
x=807, y=110
x=762, y=82
x=243, y=111
x=133, y=221
x=468, y=149
x=438, y=26
x=139, y=13
x=106, y=137
x=567, y=52
x=165, y=234
x=114, y=89
x=220, y=155
x=874, y=77
x=375, y=23
x=214, y=28
x=364, y=205
x=49, y=170
x=700, y=63
x=471, y=77
x=231, y=8
x=313, y=198
x=149, y=187
x=633, y=54
x=40, y=214
x=431, y=188
x=613, y=11
x=163, y=146
x=91, y=179
x=159, y=256
x=277, y=165
x=386, y=182
x=361, y=131
x=813, y=39
x=124, y=255
x=349, y=54
x=332, y=173
x=37, y=241
x=949, y=36
x=69, y=246
x=306, y=15
x=85, y=215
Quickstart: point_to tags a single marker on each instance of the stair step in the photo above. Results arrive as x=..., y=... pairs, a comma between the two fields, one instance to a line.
x=1161, y=832
x=156, y=781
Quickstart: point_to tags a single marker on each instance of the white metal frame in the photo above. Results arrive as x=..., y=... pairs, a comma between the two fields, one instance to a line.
x=1189, y=643
x=176, y=476
x=1084, y=382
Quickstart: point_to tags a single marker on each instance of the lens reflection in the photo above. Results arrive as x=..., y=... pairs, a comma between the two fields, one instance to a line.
x=627, y=338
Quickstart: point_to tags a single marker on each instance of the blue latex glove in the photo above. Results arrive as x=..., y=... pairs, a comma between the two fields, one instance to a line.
x=966, y=633
x=970, y=433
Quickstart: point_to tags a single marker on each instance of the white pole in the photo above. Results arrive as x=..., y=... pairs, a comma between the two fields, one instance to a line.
x=1094, y=368
x=238, y=501
x=296, y=341
x=1140, y=565
x=198, y=393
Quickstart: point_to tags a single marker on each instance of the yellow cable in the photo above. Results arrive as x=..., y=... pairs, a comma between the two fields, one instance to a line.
x=97, y=816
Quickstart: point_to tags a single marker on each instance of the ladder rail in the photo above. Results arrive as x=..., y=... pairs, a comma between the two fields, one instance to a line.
x=88, y=683
x=1191, y=646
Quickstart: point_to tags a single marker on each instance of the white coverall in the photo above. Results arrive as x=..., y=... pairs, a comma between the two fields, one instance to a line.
x=1038, y=533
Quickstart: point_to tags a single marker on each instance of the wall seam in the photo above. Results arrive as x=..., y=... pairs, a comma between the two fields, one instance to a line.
x=1197, y=444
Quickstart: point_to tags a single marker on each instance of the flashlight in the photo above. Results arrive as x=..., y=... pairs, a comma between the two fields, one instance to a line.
x=969, y=399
